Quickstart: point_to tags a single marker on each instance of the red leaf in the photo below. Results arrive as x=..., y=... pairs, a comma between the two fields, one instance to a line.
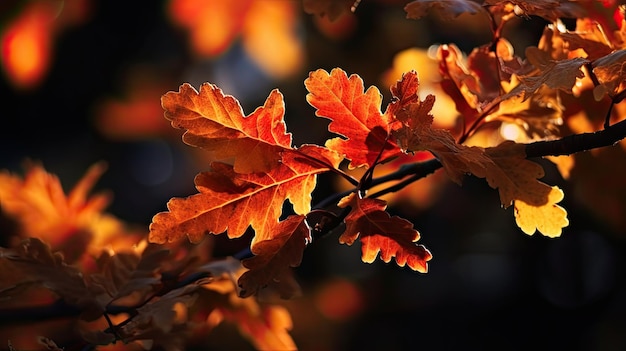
x=379, y=232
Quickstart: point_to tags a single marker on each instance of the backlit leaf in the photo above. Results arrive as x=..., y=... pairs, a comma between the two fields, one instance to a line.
x=611, y=71
x=560, y=75
x=381, y=233
x=232, y=201
x=355, y=115
x=548, y=218
x=216, y=123
x=505, y=167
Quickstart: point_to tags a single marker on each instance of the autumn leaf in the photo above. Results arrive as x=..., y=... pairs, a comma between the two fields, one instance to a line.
x=516, y=179
x=355, y=115
x=560, y=75
x=449, y=8
x=551, y=10
x=549, y=218
x=275, y=255
x=34, y=261
x=72, y=223
x=611, y=72
x=232, y=201
x=127, y=272
x=505, y=167
x=381, y=233
x=216, y=123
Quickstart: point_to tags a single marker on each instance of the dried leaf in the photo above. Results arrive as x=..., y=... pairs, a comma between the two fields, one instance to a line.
x=560, y=75
x=611, y=71
x=380, y=232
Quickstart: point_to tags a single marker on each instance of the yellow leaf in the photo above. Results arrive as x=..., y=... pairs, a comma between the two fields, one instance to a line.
x=548, y=218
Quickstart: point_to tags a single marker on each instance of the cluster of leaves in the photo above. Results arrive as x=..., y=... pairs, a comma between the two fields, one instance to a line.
x=158, y=288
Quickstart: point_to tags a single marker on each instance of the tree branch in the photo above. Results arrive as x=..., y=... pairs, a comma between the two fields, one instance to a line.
x=575, y=143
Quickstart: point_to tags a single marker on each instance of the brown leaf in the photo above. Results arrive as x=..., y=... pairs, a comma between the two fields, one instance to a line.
x=560, y=75
x=33, y=261
x=611, y=71
x=551, y=10
x=274, y=256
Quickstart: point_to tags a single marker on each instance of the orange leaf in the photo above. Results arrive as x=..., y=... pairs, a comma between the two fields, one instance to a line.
x=391, y=236
x=234, y=201
x=505, y=167
x=611, y=71
x=40, y=205
x=265, y=326
x=354, y=114
x=275, y=255
x=215, y=122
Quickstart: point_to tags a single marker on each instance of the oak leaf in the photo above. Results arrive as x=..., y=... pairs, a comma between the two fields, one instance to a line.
x=230, y=201
x=275, y=255
x=611, y=71
x=380, y=232
x=216, y=122
x=561, y=75
x=516, y=179
x=355, y=115
x=505, y=166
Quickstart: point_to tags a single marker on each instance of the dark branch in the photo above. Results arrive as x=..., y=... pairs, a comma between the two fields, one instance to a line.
x=572, y=144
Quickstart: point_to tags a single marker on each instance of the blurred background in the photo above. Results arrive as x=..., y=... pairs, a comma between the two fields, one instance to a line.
x=82, y=81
